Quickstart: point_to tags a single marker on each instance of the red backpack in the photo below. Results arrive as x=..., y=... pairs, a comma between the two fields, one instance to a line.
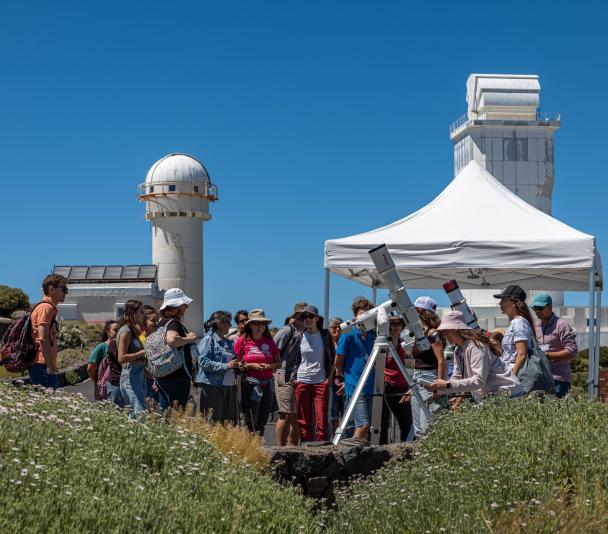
x=18, y=350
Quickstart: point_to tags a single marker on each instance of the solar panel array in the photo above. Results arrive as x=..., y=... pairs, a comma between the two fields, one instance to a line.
x=107, y=272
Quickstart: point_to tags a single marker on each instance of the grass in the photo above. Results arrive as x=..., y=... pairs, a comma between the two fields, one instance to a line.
x=67, y=465
x=508, y=466
x=503, y=467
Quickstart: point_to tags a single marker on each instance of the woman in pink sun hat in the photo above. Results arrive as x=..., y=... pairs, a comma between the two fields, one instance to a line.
x=476, y=368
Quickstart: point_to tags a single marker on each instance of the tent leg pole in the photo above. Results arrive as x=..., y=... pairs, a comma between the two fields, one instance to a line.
x=598, y=345
x=326, y=299
x=374, y=292
x=591, y=332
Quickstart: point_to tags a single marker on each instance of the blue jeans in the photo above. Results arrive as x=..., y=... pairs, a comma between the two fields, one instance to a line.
x=420, y=420
x=561, y=388
x=133, y=389
x=114, y=395
x=362, y=413
x=39, y=376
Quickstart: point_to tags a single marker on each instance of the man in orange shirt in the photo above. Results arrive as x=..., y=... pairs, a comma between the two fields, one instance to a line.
x=44, y=332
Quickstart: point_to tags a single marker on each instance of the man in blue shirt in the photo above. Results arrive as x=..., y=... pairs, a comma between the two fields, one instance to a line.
x=351, y=357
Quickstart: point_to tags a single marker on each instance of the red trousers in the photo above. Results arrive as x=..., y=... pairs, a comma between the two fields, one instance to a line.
x=309, y=397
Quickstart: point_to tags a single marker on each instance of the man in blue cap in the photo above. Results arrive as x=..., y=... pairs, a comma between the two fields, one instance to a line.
x=558, y=339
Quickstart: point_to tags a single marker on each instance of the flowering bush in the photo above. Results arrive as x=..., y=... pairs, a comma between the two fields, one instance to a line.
x=70, y=337
x=506, y=466
x=67, y=465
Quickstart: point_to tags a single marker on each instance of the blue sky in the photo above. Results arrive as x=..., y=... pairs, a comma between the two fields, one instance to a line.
x=316, y=120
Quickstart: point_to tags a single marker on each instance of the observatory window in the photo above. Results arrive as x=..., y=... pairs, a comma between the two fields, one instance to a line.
x=171, y=188
x=196, y=188
x=509, y=148
x=521, y=149
x=151, y=189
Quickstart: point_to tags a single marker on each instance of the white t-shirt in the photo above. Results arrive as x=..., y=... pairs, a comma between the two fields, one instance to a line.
x=519, y=330
x=311, y=369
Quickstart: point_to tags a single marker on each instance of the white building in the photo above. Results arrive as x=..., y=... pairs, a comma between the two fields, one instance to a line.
x=505, y=131
x=97, y=293
x=177, y=192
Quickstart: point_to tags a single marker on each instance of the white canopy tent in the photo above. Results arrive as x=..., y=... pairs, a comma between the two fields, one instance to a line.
x=483, y=235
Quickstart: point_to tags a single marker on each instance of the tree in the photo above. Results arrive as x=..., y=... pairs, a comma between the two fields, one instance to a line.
x=11, y=299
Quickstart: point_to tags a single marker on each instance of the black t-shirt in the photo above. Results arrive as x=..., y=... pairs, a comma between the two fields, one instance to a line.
x=173, y=325
x=424, y=359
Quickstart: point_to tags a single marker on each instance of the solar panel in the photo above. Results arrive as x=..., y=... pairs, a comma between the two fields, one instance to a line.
x=96, y=272
x=147, y=271
x=63, y=271
x=130, y=271
x=78, y=273
x=112, y=272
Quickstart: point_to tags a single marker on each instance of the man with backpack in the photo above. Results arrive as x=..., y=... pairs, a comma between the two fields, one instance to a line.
x=288, y=340
x=44, y=328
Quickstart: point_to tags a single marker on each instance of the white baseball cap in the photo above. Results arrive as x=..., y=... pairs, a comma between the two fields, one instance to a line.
x=426, y=303
x=174, y=298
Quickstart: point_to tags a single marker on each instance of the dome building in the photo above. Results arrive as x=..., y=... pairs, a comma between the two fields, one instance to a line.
x=177, y=193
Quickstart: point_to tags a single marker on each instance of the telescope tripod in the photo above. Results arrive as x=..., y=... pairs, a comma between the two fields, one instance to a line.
x=382, y=348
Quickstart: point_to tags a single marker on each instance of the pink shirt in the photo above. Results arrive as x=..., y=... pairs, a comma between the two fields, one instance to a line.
x=263, y=350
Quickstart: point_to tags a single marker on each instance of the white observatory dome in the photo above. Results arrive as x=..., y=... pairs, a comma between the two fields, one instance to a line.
x=177, y=168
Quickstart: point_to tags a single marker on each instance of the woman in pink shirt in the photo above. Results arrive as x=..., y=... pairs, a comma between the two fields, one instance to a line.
x=259, y=357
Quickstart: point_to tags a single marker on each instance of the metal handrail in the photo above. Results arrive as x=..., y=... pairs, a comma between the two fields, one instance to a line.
x=160, y=189
x=541, y=116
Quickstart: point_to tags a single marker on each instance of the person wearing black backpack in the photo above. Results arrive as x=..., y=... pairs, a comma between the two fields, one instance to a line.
x=44, y=329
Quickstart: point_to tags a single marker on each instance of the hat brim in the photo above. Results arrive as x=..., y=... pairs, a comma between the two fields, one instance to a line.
x=267, y=321
x=176, y=303
x=499, y=296
x=454, y=326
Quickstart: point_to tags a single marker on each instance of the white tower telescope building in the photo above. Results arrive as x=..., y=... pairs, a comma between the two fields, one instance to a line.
x=177, y=192
x=507, y=134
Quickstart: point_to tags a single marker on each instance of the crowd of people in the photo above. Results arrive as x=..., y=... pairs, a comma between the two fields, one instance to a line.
x=305, y=373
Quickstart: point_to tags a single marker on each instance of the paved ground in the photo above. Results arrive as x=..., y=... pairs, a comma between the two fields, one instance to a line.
x=86, y=388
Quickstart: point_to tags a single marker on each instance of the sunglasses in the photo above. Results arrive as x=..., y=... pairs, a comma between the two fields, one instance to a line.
x=538, y=308
x=257, y=325
x=306, y=316
x=63, y=288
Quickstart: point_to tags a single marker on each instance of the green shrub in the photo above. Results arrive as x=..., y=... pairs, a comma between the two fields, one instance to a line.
x=70, y=337
x=82, y=467
x=484, y=464
x=11, y=299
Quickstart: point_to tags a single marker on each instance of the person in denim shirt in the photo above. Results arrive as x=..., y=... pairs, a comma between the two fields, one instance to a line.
x=217, y=364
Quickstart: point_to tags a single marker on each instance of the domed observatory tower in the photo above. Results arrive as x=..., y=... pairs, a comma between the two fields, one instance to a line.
x=177, y=192
x=507, y=134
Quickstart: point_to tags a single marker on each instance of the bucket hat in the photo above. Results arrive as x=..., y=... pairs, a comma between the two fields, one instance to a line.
x=257, y=316
x=426, y=303
x=174, y=298
x=453, y=320
x=298, y=308
x=512, y=292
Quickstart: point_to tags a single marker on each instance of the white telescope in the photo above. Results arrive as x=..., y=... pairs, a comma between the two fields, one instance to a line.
x=459, y=303
x=386, y=268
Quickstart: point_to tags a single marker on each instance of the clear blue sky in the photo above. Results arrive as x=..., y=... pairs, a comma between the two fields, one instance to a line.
x=316, y=120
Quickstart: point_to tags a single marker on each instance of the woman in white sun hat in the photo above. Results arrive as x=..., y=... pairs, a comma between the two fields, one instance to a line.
x=476, y=368
x=175, y=388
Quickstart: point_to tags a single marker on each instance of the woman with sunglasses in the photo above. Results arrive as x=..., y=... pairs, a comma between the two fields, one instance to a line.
x=429, y=364
x=396, y=388
x=312, y=373
x=519, y=336
x=240, y=318
x=259, y=357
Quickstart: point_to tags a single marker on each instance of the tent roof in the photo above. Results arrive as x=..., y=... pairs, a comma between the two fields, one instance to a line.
x=478, y=232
